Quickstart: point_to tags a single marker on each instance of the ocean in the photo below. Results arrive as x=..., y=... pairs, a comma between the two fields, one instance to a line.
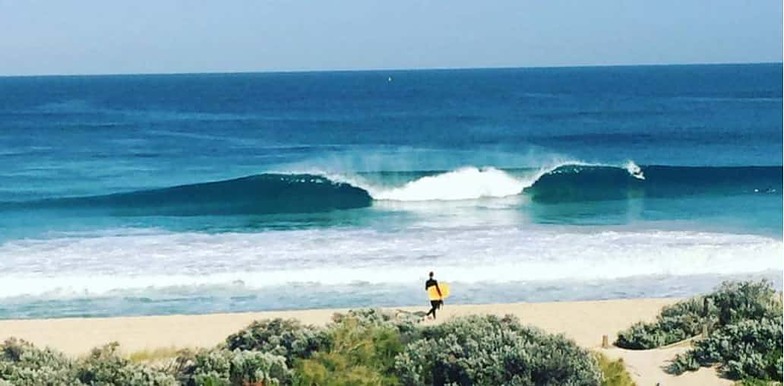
x=200, y=193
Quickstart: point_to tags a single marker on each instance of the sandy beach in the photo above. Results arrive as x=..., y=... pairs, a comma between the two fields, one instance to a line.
x=585, y=322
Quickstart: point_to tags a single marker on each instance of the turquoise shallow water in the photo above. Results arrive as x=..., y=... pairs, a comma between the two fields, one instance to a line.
x=199, y=193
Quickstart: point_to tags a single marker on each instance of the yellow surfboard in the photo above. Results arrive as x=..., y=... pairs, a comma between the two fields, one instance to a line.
x=432, y=293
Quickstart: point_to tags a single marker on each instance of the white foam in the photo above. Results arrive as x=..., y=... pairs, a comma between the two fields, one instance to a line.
x=468, y=183
x=634, y=170
x=96, y=266
x=462, y=184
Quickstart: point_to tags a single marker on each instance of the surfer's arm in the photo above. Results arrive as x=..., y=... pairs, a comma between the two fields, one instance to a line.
x=439, y=290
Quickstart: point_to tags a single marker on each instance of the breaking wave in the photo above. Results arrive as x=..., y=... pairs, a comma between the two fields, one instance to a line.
x=308, y=193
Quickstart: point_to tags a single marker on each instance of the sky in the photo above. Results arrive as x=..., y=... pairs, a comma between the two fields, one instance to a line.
x=40, y=37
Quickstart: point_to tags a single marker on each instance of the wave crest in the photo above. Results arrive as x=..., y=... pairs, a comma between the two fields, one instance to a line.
x=462, y=184
x=471, y=183
x=277, y=193
x=257, y=194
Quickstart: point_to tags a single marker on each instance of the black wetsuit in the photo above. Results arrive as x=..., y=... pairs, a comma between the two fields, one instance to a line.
x=434, y=304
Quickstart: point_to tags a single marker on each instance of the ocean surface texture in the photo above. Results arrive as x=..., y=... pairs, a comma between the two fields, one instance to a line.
x=157, y=194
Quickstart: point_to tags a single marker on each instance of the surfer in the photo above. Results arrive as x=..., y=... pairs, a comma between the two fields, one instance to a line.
x=434, y=304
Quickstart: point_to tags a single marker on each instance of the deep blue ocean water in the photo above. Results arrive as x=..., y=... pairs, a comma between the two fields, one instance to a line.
x=199, y=193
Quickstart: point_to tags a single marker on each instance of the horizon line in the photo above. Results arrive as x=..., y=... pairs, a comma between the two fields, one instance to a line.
x=395, y=69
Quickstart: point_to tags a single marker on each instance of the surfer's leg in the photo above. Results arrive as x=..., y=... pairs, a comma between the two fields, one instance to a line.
x=433, y=305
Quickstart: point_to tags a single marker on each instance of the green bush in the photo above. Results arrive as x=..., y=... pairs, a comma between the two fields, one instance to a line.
x=744, y=324
x=756, y=382
x=729, y=303
x=238, y=367
x=23, y=364
x=361, y=352
x=748, y=349
x=614, y=372
x=104, y=367
x=487, y=350
x=367, y=317
x=739, y=301
x=287, y=338
x=675, y=323
x=405, y=323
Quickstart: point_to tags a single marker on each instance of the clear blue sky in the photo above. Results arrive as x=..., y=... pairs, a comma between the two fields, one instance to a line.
x=166, y=36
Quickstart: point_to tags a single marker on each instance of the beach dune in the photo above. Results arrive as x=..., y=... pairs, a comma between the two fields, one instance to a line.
x=585, y=322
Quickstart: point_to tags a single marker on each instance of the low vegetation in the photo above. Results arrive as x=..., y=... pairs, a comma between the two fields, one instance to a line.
x=365, y=347
x=370, y=347
x=614, y=372
x=358, y=354
x=154, y=355
x=287, y=338
x=23, y=364
x=757, y=382
x=231, y=367
x=737, y=328
x=488, y=350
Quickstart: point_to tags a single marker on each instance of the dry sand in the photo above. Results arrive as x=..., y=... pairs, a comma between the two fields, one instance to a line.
x=585, y=322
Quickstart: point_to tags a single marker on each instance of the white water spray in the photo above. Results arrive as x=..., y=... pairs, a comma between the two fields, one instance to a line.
x=469, y=183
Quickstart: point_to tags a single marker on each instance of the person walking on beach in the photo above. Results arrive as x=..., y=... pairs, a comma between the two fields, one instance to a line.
x=434, y=304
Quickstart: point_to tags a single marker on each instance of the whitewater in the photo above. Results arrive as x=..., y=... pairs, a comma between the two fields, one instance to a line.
x=471, y=183
x=166, y=194
x=466, y=222
x=476, y=225
x=95, y=266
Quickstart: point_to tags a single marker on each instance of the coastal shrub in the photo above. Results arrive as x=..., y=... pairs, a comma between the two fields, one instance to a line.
x=748, y=349
x=285, y=337
x=105, y=367
x=744, y=339
x=488, y=350
x=238, y=367
x=405, y=323
x=614, y=372
x=23, y=364
x=729, y=303
x=362, y=350
x=366, y=316
x=747, y=300
x=152, y=356
x=675, y=323
x=756, y=382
